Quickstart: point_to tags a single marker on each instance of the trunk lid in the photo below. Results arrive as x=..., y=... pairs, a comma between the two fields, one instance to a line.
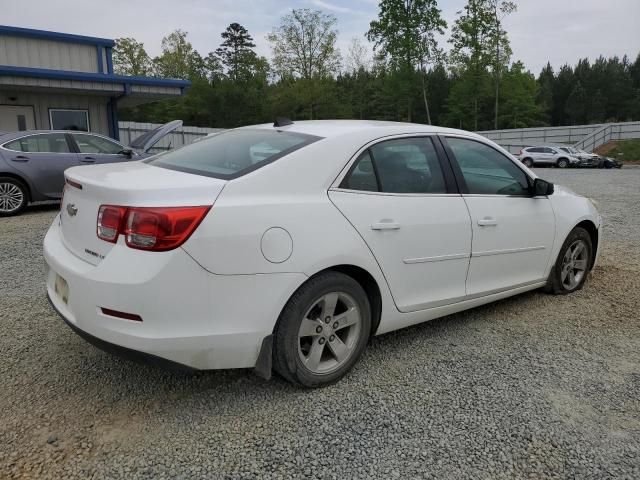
x=131, y=184
x=147, y=140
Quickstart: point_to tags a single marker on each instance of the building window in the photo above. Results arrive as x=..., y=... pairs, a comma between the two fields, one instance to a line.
x=69, y=120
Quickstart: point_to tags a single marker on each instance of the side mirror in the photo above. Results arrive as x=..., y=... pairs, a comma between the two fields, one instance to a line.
x=541, y=188
x=127, y=152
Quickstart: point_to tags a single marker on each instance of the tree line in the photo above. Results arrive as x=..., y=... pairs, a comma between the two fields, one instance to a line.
x=474, y=85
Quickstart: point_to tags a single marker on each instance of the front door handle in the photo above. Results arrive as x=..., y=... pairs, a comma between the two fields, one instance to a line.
x=487, y=222
x=88, y=160
x=385, y=226
x=20, y=158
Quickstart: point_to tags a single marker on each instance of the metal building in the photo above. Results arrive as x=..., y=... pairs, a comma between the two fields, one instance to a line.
x=51, y=80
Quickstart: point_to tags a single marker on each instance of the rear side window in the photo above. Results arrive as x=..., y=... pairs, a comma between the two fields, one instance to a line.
x=45, y=143
x=234, y=153
x=405, y=165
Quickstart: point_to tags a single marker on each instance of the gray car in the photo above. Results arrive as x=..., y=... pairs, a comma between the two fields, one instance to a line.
x=32, y=162
x=550, y=156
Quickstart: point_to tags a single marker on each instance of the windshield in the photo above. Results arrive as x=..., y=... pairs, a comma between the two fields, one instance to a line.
x=234, y=153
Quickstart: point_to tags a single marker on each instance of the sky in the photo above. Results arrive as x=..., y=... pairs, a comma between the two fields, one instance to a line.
x=558, y=31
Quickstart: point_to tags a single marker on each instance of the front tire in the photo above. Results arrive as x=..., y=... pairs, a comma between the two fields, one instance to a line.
x=322, y=331
x=14, y=196
x=563, y=163
x=572, y=265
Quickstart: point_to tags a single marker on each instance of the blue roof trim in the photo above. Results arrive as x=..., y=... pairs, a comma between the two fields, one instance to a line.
x=91, y=77
x=59, y=36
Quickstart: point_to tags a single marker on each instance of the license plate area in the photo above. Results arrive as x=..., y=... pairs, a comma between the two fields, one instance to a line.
x=61, y=287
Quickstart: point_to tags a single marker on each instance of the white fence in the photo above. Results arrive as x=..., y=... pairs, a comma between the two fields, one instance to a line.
x=585, y=137
x=181, y=136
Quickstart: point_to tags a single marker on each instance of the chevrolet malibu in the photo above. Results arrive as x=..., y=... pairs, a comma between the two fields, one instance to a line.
x=286, y=247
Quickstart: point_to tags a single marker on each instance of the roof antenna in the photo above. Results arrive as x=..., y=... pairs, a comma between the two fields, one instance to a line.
x=282, y=122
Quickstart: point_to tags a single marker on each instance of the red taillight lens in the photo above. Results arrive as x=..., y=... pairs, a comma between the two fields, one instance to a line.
x=149, y=228
x=110, y=219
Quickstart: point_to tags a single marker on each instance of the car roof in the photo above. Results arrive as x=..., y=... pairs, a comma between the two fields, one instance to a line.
x=338, y=128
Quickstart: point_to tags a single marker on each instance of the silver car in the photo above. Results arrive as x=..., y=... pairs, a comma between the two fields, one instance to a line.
x=588, y=160
x=32, y=162
x=550, y=156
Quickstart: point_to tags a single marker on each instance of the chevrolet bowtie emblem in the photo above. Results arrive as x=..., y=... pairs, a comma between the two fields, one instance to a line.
x=72, y=210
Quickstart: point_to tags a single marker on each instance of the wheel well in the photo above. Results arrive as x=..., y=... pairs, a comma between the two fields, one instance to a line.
x=370, y=286
x=21, y=180
x=563, y=158
x=591, y=229
x=527, y=158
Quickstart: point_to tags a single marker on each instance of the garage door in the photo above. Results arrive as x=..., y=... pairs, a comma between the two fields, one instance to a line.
x=16, y=118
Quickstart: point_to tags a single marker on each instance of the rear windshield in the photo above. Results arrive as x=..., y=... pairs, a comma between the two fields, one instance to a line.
x=234, y=153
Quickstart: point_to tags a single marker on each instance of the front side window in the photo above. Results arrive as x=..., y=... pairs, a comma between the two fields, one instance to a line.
x=405, y=165
x=234, y=153
x=487, y=171
x=45, y=143
x=69, y=120
x=93, y=144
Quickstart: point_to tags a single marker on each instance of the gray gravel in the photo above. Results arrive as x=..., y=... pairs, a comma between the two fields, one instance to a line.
x=531, y=387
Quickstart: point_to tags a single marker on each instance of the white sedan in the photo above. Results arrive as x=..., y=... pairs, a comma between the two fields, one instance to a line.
x=287, y=246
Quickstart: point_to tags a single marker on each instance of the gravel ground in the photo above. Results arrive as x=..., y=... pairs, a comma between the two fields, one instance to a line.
x=531, y=387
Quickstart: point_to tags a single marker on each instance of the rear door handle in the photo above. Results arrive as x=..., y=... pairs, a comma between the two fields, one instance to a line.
x=88, y=160
x=487, y=222
x=20, y=158
x=385, y=226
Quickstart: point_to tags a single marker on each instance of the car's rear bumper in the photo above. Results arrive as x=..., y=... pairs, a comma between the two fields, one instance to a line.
x=189, y=316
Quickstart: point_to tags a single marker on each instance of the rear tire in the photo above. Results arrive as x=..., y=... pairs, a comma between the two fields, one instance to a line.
x=572, y=265
x=322, y=331
x=14, y=196
x=563, y=163
x=528, y=162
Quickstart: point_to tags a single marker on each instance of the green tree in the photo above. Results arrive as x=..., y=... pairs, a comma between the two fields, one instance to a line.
x=130, y=58
x=304, y=48
x=236, y=51
x=519, y=92
x=545, y=93
x=304, y=45
x=502, y=50
x=576, y=106
x=405, y=32
x=472, y=40
x=179, y=59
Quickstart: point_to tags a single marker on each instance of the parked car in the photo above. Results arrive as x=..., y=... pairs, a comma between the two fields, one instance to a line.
x=608, y=162
x=548, y=156
x=587, y=160
x=212, y=256
x=32, y=163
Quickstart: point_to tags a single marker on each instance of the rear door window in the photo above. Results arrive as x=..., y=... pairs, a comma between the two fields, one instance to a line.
x=45, y=143
x=234, y=153
x=94, y=144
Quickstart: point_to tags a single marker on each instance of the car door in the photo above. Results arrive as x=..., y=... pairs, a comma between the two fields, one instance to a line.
x=400, y=195
x=93, y=148
x=537, y=154
x=513, y=232
x=43, y=158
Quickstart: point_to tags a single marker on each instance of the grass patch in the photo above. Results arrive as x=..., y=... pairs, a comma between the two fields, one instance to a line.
x=627, y=151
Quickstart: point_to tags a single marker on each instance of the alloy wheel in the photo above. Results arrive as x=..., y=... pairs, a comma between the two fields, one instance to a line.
x=11, y=197
x=329, y=332
x=574, y=265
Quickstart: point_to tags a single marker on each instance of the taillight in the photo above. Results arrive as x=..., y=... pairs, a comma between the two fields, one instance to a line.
x=149, y=228
x=110, y=219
